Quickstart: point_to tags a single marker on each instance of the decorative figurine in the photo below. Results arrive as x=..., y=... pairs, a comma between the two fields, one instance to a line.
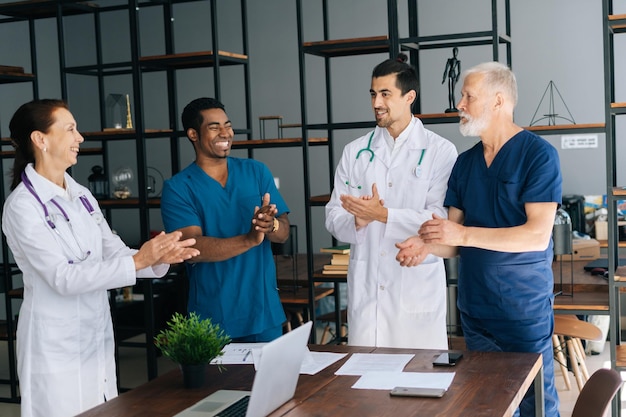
x=452, y=72
x=122, y=179
x=129, y=120
x=551, y=115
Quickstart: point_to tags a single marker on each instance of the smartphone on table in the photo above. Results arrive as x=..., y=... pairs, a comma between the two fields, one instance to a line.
x=417, y=392
x=448, y=359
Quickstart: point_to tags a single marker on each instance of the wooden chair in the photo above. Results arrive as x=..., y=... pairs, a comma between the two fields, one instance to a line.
x=327, y=319
x=597, y=394
x=568, y=332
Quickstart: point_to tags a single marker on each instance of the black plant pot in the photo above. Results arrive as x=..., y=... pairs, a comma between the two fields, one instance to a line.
x=193, y=375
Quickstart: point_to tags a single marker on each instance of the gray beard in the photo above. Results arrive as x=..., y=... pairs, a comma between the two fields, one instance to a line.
x=474, y=127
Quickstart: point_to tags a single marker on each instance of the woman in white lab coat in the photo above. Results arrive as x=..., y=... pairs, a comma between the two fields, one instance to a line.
x=69, y=258
x=389, y=305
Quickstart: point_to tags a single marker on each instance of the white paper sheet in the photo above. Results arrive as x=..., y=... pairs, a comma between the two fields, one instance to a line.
x=314, y=362
x=361, y=363
x=250, y=354
x=239, y=354
x=389, y=380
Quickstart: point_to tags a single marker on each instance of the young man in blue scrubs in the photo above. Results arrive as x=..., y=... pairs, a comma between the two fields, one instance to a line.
x=233, y=209
x=502, y=197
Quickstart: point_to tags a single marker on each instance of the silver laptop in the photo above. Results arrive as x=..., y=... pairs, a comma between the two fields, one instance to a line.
x=274, y=382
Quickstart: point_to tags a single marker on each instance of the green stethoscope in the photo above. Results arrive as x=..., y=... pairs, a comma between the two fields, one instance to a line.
x=417, y=171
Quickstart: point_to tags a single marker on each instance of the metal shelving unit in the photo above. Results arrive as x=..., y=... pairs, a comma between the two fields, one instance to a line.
x=134, y=68
x=389, y=43
x=9, y=270
x=613, y=26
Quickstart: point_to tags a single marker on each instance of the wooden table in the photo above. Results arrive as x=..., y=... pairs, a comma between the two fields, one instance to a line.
x=486, y=384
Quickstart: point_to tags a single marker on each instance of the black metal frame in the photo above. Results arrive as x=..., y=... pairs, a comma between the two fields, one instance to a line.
x=392, y=45
x=31, y=11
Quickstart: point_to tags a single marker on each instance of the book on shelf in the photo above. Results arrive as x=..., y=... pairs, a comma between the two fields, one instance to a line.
x=330, y=267
x=334, y=272
x=342, y=249
x=340, y=259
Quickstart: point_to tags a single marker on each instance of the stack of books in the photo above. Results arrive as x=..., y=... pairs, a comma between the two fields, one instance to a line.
x=339, y=262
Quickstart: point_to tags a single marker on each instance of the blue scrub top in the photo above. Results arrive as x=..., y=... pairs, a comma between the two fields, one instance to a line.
x=239, y=293
x=500, y=284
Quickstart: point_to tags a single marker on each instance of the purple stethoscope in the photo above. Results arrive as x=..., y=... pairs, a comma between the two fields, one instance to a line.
x=84, y=254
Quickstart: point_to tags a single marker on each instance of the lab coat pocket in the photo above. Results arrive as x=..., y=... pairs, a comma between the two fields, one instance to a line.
x=423, y=287
x=414, y=192
x=55, y=344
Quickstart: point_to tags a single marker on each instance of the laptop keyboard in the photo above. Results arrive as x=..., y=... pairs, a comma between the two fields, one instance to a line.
x=237, y=409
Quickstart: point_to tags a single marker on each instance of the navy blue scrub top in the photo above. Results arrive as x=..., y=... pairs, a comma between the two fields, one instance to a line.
x=501, y=284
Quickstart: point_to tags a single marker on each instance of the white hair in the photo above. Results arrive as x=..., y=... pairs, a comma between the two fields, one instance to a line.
x=497, y=77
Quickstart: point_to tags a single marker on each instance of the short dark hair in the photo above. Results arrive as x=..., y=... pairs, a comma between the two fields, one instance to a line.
x=192, y=118
x=406, y=75
x=29, y=117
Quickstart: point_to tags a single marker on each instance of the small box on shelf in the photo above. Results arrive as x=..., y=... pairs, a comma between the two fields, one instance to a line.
x=583, y=250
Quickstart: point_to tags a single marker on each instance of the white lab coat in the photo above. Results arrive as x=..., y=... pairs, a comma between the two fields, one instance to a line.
x=390, y=305
x=65, y=345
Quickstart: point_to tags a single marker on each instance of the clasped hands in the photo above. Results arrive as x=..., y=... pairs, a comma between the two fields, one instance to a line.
x=438, y=231
x=263, y=220
x=365, y=209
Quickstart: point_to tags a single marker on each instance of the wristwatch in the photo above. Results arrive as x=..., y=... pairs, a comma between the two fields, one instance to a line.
x=276, y=225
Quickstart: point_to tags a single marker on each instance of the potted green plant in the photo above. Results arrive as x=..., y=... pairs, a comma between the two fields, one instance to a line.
x=192, y=343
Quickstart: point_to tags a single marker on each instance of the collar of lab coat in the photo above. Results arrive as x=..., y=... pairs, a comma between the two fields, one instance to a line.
x=413, y=134
x=46, y=190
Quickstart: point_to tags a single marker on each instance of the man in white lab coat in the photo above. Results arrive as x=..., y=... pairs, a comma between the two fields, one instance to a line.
x=387, y=183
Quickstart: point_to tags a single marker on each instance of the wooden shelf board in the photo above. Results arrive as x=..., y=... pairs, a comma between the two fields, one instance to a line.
x=121, y=132
x=573, y=127
x=15, y=77
x=346, y=41
x=191, y=60
x=437, y=115
x=569, y=127
x=335, y=274
x=346, y=47
x=38, y=9
x=619, y=191
x=301, y=295
x=90, y=151
x=320, y=199
x=266, y=143
x=590, y=301
x=618, y=105
x=127, y=202
x=270, y=143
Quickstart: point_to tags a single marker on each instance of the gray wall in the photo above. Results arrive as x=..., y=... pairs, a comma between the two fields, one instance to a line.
x=554, y=40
